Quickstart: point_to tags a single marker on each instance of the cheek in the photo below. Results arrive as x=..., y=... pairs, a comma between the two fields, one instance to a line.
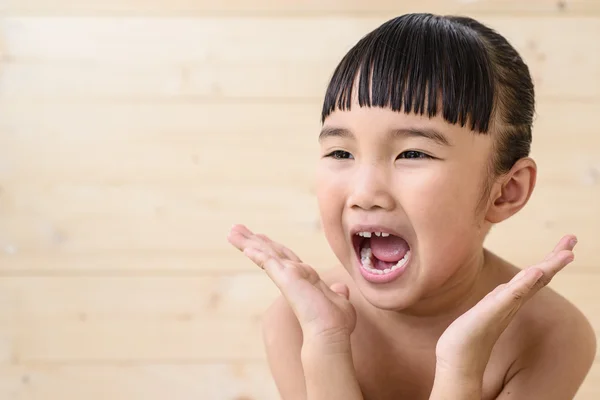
x=329, y=192
x=443, y=216
x=331, y=199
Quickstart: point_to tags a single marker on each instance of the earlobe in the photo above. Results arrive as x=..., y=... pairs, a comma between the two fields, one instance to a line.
x=514, y=191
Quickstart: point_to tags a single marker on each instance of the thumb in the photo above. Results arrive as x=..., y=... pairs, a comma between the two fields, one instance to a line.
x=340, y=289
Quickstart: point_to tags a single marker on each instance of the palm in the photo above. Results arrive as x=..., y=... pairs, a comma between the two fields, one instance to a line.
x=323, y=312
x=467, y=343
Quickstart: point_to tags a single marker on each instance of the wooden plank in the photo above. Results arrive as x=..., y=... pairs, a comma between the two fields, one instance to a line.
x=90, y=247
x=69, y=83
x=219, y=381
x=189, y=123
x=271, y=7
x=139, y=338
x=176, y=125
x=175, y=144
x=134, y=318
x=74, y=59
x=158, y=319
x=214, y=381
x=186, y=240
x=151, y=262
x=172, y=299
x=182, y=120
x=141, y=193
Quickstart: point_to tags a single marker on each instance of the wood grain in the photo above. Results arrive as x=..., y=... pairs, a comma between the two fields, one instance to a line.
x=161, y=319
x=188, y=230
x=134, y=318
x=151, y=381
x=175, y=58
x=142, y=194
x=313, y=7
x=219, y=381
x=134, y=133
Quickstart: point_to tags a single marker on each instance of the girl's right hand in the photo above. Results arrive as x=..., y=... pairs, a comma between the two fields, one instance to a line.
x=325, y=313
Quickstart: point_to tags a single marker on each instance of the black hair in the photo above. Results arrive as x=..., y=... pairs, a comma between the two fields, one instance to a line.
x=456, y=66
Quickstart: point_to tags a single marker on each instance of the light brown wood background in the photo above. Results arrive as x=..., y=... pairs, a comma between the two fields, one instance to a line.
x=134, y=133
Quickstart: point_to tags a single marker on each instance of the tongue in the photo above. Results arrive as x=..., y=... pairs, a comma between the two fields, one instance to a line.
x=390, y=248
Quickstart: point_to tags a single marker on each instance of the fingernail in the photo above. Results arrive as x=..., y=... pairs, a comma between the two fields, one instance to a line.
x=573, y=242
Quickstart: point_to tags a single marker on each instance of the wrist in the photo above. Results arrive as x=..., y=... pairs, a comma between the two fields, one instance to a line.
x=328, y=367
x=456, y=384
x=330, y=374
x=315, y=354
x=333, y=344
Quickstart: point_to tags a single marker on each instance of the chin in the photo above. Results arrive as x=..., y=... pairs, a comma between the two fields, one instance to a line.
x=388, y=301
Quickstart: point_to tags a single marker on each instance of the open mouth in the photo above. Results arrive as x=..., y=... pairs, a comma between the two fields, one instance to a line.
x=381, y=253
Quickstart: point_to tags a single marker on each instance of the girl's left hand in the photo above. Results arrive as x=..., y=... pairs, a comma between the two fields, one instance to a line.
x=466, y=345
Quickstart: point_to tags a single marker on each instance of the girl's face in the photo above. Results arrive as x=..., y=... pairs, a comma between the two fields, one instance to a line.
x=417, y=178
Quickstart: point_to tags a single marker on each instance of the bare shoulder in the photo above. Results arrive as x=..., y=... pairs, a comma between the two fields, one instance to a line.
x=555, y=347
x=282, y=337
x=560, y=328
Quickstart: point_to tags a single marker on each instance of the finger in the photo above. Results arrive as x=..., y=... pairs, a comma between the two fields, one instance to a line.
x=341, y=289
x=304, y=271
x=260, y=258
x=551, y=266
x=548, y=268
x=238, y=237
x=281, y=249
x=560, y=256
x=519, y=289
x=302, y=292
x=496, y=309
x=281, y=273
x=491, y=315
x=276, y=268
x=530, y=280
x=241, y=238
x=263, y=242
x=567, y=242
x=242, y=230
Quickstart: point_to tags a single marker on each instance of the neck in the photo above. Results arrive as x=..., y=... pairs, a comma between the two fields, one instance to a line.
x=457, y=295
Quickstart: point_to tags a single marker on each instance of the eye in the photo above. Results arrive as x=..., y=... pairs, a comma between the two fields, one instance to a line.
x=339, y=155
x=414, y=154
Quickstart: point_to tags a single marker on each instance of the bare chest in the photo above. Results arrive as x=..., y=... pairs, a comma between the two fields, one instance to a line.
x=401, y=371
x=389, y=371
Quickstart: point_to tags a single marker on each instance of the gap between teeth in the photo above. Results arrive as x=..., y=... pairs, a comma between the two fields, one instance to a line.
x=366, y=257
x=368, y=234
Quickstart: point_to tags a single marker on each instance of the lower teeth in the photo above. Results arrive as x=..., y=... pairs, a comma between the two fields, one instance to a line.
x=367, y=263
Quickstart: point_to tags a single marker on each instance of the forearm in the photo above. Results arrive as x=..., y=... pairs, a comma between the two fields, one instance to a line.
x=330, y=375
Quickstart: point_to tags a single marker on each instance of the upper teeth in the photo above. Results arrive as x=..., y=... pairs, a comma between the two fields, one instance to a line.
x=368, y=234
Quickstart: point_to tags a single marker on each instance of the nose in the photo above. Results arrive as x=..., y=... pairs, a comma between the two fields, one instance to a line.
x=371, y=190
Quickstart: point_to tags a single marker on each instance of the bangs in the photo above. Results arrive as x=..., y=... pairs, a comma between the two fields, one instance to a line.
x=418, y=63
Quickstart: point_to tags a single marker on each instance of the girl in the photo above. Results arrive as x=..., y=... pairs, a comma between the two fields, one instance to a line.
x=424, y=147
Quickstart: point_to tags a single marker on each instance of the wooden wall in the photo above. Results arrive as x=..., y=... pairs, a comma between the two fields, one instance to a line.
x=134, y=133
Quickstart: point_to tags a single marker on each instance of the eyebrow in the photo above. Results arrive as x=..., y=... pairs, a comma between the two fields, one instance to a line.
x=427, y=133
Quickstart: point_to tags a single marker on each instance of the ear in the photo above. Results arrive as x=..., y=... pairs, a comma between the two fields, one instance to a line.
x=512, y=191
